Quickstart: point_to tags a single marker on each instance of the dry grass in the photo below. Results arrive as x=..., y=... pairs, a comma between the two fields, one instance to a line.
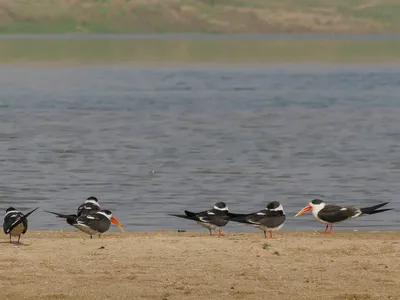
x=223, y=16
x=193, y=265
x=186, y=51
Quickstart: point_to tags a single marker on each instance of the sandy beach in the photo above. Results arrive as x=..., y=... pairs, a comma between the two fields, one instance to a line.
x=193, y=265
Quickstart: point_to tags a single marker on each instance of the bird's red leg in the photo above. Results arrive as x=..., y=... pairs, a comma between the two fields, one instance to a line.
x=99, y=236
x=326, y=228
x=265, y=233
x=330, y=231
x=10, y=238
x=219, y=232
x=270, y=234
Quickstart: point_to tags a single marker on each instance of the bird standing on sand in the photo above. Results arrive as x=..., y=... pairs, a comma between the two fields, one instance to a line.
x=90, y=218
x=331, y=214
x=269, y=219
x=96, y=222
x=15, y=222
x=216, y=217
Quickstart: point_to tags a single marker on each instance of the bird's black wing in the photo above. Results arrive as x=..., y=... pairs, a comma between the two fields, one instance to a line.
x=273, y=219
x=213, y=216
x=334, y=213
x=25, y=219
x=251, y=218
x=12, y=220
x=86, y=208
x=95, y=221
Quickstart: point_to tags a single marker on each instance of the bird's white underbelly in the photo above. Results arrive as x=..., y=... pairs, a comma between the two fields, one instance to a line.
x=207, y=225
x=17, y=230
x=264, y=228
x=86, y=229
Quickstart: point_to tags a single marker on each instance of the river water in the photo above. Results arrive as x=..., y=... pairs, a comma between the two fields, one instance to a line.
x=148, y=141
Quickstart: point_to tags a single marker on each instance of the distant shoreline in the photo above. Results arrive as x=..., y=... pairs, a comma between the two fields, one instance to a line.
x=207, y=36
x=201, y=16
x=197, y=49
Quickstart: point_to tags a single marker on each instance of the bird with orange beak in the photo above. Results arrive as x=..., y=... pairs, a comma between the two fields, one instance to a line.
x=330, y=214
x=96, y=222
x=93, y=222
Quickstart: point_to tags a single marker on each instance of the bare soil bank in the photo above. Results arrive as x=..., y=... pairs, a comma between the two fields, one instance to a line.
x=192, y=265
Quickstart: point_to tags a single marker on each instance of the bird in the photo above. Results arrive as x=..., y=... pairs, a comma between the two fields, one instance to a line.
x=269, y=219
x=91, y=204
x=95, y=222
x=216, y=217
x=15, y=222
x=330, y=214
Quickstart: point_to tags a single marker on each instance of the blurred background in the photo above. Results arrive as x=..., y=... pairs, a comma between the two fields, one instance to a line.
x=156, y=106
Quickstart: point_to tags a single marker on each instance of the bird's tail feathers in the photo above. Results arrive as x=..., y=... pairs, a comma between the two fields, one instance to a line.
x=27, y=214
x=374, y=209
x=190, y=214
x=240, y=218
x=60, y=215
x=182, y=216
x=71, y=219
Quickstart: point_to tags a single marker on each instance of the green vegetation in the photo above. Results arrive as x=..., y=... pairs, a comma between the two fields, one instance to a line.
x=266, y=245
x=228, y=51
x=214, y=16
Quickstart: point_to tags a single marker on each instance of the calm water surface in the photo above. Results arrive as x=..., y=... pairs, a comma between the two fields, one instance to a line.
x=152, y=141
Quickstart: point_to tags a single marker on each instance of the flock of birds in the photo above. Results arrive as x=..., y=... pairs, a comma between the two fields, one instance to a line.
x=92, y=220
x=89, y=218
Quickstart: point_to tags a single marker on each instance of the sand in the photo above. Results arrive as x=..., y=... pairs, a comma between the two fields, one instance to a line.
x=193, y=265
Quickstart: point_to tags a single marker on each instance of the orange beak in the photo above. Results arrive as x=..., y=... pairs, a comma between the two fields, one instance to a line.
x=304, y=210
x=115, y=221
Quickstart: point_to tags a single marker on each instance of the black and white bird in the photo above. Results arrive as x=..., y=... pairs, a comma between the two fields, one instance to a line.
x=91, y=204
x=330, y=214
x=217, y=217
x=95, y=222
x=15, y=222
x=269, y=219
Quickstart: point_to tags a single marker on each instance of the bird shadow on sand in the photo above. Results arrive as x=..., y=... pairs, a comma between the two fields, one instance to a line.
x=16, y=244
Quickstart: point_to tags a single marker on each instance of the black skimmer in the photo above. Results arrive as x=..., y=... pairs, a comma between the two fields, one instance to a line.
x=91, y=204
x=15, y=222
x=269, y=219
x=216, y=217
x=331, y=214
x=95, y=222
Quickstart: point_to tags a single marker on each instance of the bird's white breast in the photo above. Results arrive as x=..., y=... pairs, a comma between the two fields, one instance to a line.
x=17, y=230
